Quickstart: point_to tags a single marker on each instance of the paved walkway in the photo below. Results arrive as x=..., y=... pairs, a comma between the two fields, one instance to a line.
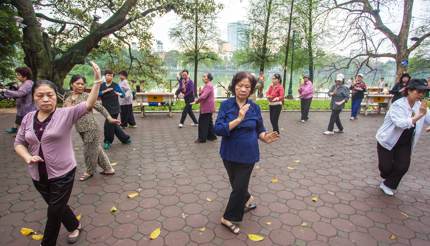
x=184, y=188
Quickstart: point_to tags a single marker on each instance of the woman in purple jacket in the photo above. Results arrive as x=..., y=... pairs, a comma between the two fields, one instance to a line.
x=186, y=88
x=24, y=103
x=44, y=141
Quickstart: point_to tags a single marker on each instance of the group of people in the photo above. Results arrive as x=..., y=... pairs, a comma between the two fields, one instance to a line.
x=44, y=142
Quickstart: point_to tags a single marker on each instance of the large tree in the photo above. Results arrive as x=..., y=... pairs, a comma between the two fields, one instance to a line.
x=60, y=34
x=9, y=35
x=196, y=32
x=368, y=29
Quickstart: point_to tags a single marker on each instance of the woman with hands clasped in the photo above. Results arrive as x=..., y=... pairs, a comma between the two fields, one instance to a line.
x=44, y=142
x=240, y=125
x=399, y=134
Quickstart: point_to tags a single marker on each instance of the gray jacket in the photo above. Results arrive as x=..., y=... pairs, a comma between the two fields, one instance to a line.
x=341, y=93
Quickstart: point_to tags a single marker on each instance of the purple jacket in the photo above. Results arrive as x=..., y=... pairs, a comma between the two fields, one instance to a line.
x=24, y=102
x=56, y=140
x=189, y=89
x=207, y=99
x=306, y=90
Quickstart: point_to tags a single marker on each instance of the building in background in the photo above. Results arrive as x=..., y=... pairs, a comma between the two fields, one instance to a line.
x=237, y=35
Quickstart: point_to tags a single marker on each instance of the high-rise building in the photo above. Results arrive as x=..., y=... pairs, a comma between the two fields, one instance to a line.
x=238, y=35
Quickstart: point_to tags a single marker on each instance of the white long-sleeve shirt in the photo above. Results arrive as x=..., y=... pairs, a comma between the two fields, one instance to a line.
x=399, y=118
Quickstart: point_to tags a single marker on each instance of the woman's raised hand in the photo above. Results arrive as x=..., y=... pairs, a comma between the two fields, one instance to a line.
x=97, y=72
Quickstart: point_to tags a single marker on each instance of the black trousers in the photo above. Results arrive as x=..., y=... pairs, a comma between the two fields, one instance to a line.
x=305, y=105
x=188, y=109
x=110, y=130
x=394, y=164
x=239, y=175
x=56, y=193
x=334, y=118
x=127, y=116
x=206, y=127
x=275, y=112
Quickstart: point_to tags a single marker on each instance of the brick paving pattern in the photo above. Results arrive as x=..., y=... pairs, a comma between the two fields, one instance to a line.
x=184, y=189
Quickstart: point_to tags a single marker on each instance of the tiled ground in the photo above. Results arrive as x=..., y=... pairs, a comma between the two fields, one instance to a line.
x=184, y=188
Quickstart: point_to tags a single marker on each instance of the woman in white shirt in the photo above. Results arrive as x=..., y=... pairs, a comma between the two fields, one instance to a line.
x=399, y=133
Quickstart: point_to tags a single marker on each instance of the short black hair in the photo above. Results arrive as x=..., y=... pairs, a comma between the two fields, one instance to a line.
x=24, y=72
x=185, y=70
x=210, y=77
x=109, y=71
x=39, y=83
x=75, y=78
x=239, y=77
x=278, y=77
x=123, y=73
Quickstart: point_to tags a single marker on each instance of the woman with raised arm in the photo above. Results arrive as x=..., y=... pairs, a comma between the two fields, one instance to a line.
x=44, y=142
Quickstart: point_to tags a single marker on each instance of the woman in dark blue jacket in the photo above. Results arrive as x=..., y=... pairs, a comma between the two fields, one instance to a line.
x=240, y=125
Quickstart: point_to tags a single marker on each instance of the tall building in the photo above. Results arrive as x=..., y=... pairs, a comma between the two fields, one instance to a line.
x=237, y=35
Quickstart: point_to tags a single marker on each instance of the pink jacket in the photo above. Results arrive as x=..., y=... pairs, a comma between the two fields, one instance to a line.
x=306, y=90
x=56, y=140
x=207, y=99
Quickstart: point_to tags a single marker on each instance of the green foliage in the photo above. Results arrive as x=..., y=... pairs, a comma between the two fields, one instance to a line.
x=9, y=36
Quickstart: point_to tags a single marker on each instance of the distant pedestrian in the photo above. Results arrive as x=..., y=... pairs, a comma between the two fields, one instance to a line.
x=275, y=96
x=126, y=102
x=207, y=108
x=339, y=94
x=399, y=134
x=260, y=84
x=306, y=93
x=358, y=88
x=186, y=88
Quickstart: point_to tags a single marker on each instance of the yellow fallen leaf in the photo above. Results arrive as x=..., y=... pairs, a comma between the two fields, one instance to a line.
x=297, y=161
x=155, y=234
x=208, y=199
x=113, y=209
x=26, y=231
x=393, y=237
x=257, y=167
x=255, y=237
x=37, y=237
x=202, y=229
x=114, y=163
x=132, y=194
x=315, y=199
x=304, y=224
x=275, y=180
x=291, y=168
x=268, y=223
x=78, y=217
x=404, y=214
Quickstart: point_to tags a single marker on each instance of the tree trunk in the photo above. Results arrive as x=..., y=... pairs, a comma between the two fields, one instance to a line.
x=287, y=46
x=309, y=42
x=266, y=33
x=196, y=46
x=400, y=69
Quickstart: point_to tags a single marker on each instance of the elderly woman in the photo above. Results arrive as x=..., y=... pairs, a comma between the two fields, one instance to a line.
x=207, y=108
x=399, y=134
x=240, y=125
x=44, y=142
x=88, y=129
x=339, y=94
x=275, y=96
x=306, y=93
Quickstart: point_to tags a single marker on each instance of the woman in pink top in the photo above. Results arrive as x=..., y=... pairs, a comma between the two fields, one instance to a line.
x=44, y=141
x=275, y=95
x=306, y=92
x=207, y=108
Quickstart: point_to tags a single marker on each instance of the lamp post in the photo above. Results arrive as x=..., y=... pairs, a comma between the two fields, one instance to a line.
x=290, y=86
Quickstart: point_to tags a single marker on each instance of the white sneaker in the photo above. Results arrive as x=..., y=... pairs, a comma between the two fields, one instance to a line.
x=181, y=125
x=352, y=118
x=303, y=121
x=387, y=190
x=328, y=133
x=194, y=124
x=338, y=131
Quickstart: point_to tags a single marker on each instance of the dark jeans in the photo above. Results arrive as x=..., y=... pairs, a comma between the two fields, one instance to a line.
x=206, y=127
x=334, y=118
x=305, y=105
x=394, y=164
x=355, y=106
x=56, y=193
x=127, y=116
x=275, y=112
x=239, y=175
x=111, y=130
x=188, y=110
